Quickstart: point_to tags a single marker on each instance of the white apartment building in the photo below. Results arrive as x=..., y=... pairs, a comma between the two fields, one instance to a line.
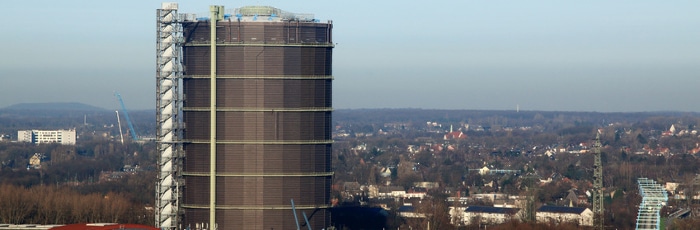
x=563, y=214
x=462, y=216
x=65, y=137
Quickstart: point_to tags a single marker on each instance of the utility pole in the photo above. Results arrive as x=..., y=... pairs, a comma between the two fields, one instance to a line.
x=598, y=210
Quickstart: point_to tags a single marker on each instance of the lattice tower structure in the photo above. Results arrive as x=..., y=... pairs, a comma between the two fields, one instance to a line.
x=531, y=180
x=598, y=209
x=168, y=110
x=257, y=119
x=654, y=197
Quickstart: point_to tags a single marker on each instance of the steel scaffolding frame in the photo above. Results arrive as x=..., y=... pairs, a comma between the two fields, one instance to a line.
x=168, y=109
x=598, y=209
x=654, y=197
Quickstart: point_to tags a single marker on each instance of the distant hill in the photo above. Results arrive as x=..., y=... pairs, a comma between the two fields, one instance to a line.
x=54, y=106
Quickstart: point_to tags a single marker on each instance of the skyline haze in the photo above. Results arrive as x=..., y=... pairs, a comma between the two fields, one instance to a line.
x=622, y=56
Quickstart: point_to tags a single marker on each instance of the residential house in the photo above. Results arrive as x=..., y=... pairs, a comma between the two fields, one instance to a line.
x=549, y=152
x=415, y=192
x=458, y=201
x=413, y=149
x=373, y=191
x=483, y=171
x=511, y=202
x=695, y=150
x=563, y=214
x=409, y=211
x=671, y=187
x=489, y=197
x=456, y=135
x=351, y=189
x=576, y=197
x=35, y=161
x=482, y=215
x=391, y=192
x=426, y=185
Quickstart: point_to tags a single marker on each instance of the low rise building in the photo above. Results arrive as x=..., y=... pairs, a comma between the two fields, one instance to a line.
x=391, y=192
x=409, y=211
x=482, y=215
x=563, y=214
x=64, y=137
x=35, y=161
x=419, y=193
x=426, y=184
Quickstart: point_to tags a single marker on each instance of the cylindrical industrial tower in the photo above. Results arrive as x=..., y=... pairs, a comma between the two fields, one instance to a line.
x=271, y=139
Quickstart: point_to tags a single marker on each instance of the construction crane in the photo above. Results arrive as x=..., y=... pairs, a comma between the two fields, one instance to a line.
x=119, y=122
x=126, y=115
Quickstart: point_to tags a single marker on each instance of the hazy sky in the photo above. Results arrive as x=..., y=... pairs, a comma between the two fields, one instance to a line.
x=542, y=55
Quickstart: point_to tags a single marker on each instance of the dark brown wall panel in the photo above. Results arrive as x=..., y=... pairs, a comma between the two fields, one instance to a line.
x=273, y=125
x=254, y=60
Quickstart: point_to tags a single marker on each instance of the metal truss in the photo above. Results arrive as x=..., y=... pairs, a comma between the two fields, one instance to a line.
x=168, y=107
x=654, y=197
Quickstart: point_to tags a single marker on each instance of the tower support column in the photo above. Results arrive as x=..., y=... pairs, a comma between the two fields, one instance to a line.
x=216, y=14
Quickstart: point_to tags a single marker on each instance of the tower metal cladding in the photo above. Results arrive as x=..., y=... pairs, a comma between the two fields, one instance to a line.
x=256, y=116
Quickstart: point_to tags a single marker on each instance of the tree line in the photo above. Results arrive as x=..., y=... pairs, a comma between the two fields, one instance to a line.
x=61, y=205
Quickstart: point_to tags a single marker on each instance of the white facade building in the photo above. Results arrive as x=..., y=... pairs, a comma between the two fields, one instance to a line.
x=461, y=216
x=65, y=137
x=558, y=215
